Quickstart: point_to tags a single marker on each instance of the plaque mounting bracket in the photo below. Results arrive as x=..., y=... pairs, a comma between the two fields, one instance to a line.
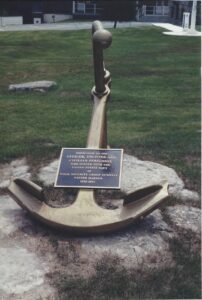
x=85, y=215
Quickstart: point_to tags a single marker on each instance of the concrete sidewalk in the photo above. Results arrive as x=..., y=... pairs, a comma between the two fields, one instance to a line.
x=168, y=26
x=175, y=30
x=70, y=26
x=88, y=25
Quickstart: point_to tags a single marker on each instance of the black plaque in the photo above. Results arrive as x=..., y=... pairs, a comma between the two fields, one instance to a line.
x=89, y=168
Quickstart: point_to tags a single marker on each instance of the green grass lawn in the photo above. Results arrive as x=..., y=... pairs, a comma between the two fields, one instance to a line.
x=154, y=112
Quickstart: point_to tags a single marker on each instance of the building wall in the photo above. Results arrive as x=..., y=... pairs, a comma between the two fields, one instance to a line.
x=54, y=18
x=34, y=8
x=14, y=20
x=57, y=6
x=153, y=11
x=175, y=14
x=105, y=10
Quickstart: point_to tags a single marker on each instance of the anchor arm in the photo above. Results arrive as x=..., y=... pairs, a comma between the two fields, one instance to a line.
x=31, y=188
x=140, y=194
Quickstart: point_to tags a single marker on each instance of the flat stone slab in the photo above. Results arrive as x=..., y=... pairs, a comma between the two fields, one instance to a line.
x=143, y=245
x=139, y=173
x=185, y=217
x=12, y=217
x=17, y=168
x=40, y=86
x=20, y=270
x=23, y=272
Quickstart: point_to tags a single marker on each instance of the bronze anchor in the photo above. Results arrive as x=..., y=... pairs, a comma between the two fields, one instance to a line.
x=85, y=215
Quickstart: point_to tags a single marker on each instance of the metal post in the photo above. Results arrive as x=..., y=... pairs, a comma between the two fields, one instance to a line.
x=73, y=7
x=94, y=9
x=185, y=22
x=193, y=16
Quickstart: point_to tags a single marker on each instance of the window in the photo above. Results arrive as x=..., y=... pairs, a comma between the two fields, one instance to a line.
x=162, y=3
x=87, y=8
x=81, y=6
x=159, y=8
x=150, y=10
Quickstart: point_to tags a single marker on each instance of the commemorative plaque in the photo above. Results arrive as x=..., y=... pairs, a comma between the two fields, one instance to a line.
x=89, y=168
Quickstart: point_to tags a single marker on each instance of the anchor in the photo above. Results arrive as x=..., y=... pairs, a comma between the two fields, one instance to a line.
x=85, y=215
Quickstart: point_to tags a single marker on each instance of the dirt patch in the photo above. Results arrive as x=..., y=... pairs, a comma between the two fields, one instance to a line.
x=109, y=199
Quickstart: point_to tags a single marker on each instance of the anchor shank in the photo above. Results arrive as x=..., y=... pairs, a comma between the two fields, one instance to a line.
x=97, y=135
x=99, y=70
x=97, y=138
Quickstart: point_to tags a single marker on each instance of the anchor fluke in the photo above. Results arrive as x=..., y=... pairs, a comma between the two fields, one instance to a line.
x=30, y=187
x=142, y=193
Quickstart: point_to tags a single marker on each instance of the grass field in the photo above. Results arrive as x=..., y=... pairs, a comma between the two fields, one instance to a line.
x=154, y=114
x=155, y=105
